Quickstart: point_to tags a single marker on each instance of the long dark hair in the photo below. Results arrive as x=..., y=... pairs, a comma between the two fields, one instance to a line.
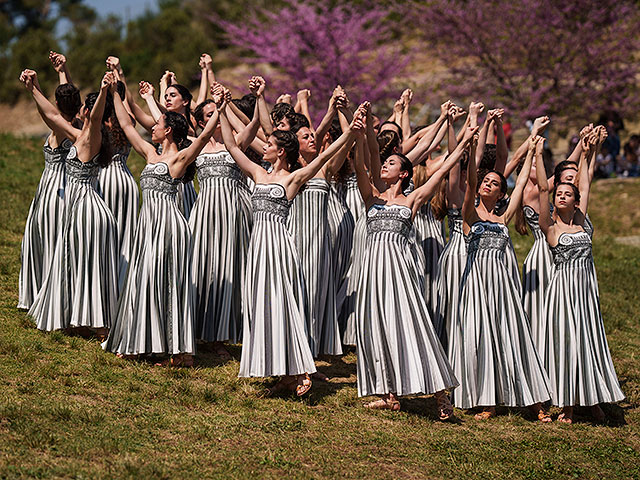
x=186, y=95
x=68, y=99
x=106, y=152
x=179, y=132
x=289, y=142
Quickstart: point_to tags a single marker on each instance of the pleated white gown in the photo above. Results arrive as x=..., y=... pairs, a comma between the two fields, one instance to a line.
x=80, y=288
x=43, y=222
x=121, y=194
x=186, y=198
x=157, y=304
x=573, y=341
x=450, y=268
x=309, y=227
x=536, y=272
x=500, y=363
x=398, y=351
x=430, y=239
x=341, y=226
x=347, y=291
x=274, y=340
x=220, y=223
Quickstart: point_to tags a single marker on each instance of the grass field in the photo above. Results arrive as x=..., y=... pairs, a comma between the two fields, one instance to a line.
x=69, y=410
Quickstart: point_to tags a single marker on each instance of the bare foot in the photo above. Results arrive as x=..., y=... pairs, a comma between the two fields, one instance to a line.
x=127, y=357
x=388, y=402
x=285, y=384
x=566, y=416
x=179, y=360
x=486, y=413
x=543, y=416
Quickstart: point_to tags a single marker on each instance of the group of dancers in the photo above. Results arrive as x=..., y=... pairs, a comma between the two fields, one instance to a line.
x=302, y=240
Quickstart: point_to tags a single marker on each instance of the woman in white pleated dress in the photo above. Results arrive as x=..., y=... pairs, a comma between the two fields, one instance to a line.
x=573, y=343
x=398, y=351
x=157, y=305
x=275, y=308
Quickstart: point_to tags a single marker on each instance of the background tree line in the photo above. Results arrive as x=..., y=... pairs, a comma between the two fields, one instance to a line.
x=571, y=60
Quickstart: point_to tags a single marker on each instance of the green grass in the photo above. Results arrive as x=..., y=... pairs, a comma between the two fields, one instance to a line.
x=69, y=410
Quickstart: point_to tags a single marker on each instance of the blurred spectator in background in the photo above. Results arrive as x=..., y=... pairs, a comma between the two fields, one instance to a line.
x=629, y=166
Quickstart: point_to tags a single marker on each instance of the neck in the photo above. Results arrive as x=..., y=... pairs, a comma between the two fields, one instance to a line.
x=280, y=164
x=488, y=203
x=168, y=145
x=395, y=190
x=306, y=158
x=565, y=216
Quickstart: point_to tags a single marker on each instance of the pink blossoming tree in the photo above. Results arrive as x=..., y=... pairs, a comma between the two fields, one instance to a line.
x=318, y=45
x=565, y=59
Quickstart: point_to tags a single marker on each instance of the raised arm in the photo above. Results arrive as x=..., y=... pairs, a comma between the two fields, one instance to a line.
x=545, y=219
x=364, y=182
x=516, y=196
x=469, y=213
x=190, y=153
x=147, y=93
x=265, y=120
x=425, y=144
x=59, y=62
x=144, y=148
x=302, y=105
x=374, y=150
x=423, y=193
x=405, y=121
x=482, y=135
x=325, y=124
x=300, y=176
x=49, y=113
x=248, y=134
x=502, y=151
x=246, y=165
x=204, y=83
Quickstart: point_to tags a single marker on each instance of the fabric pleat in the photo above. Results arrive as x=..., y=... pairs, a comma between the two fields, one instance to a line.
x=450, y=268
x=573, y=341
x=121, y=194
x=348, y=289
x=157, y=304
x=500, y=363
x=341, y=226
x=536, y=272
x=430, y=239
x=43, y=222
x=220, y=223
x=398, y=351
x=80, y=287
x=309, y=227
x=274, y=337
x=186, y=197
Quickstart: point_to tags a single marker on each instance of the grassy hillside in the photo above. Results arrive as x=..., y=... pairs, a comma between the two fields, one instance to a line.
x=67, y=409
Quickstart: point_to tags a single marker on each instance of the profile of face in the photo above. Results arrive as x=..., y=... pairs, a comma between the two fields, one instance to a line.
x=307, y=141
x=391, y=170
x=270, y=150
x=565, y=198
x=490, y=187
x=283, y=125
x=569, y=175
x=207, y=112
x=174, y=101
x=159, y=131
